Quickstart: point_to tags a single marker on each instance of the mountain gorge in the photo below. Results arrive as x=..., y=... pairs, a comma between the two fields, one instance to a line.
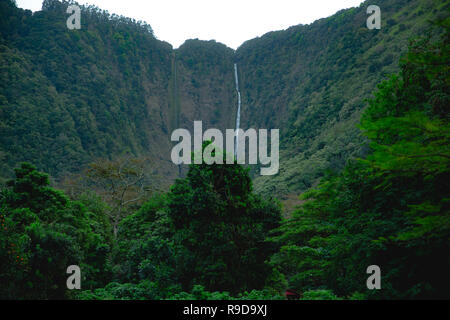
x=87, y=181
x=71, y=96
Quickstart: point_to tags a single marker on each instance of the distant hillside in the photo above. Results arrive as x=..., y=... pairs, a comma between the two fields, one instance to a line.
x=68, y=97
x=312, y=82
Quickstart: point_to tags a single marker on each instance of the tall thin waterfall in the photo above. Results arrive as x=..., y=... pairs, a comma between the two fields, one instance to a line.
x=238, y=114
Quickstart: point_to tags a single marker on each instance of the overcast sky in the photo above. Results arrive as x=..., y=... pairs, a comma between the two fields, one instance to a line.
x=228, y=21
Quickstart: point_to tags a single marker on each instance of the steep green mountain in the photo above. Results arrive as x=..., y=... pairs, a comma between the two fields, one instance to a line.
x=389, y=210
x=377, y=229
x=312, y=82
x=68, y=97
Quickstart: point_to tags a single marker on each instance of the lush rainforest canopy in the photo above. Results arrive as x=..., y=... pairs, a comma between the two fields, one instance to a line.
x=88, y=112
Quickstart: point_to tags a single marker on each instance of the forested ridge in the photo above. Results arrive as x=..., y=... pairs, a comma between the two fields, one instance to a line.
x=364, y=136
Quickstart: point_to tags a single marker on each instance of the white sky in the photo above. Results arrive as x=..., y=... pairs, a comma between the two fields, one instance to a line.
x=227, y=21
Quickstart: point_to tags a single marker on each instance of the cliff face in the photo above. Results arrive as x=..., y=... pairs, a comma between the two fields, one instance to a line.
x=312, y=82
x=70, y=96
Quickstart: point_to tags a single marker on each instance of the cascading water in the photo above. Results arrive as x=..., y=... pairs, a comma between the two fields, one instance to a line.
x=238, y=114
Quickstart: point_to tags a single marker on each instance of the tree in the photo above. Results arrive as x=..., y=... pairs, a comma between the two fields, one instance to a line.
x=220, y=228
x=392, y=208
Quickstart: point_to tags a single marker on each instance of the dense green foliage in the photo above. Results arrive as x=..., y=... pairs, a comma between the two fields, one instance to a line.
x=312, y=81
x=68, y=97
x=43, y=232
x=222, y=226
x=208, y=232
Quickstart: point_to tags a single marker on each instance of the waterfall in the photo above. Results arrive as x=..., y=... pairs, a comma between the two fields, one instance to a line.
x=238, y=114
x=175, y=103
